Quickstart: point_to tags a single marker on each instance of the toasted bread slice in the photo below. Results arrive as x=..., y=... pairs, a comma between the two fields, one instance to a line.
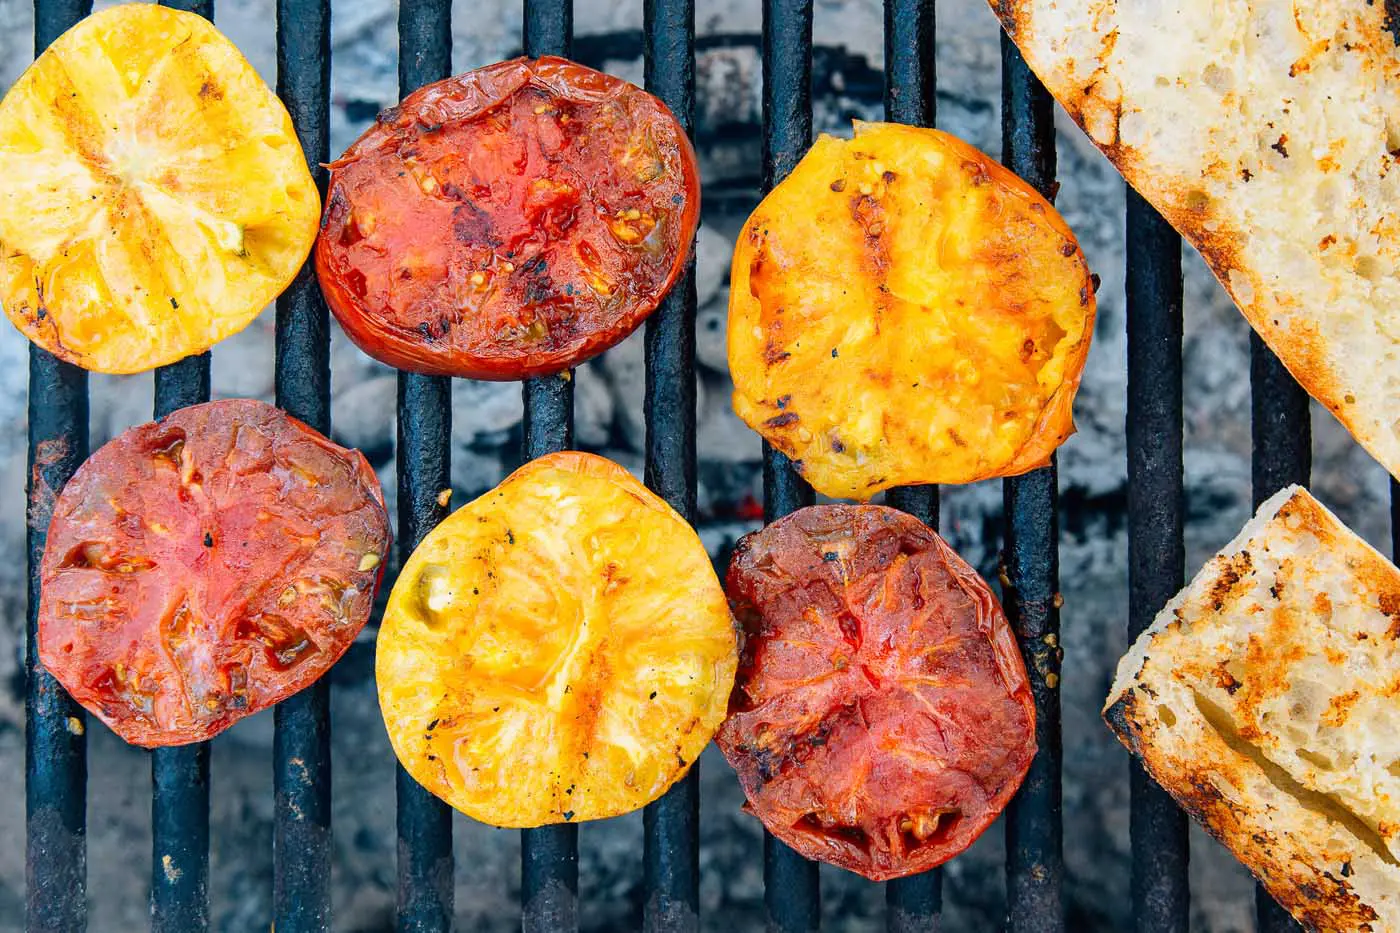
x=1267, y=132
x=1265, y=698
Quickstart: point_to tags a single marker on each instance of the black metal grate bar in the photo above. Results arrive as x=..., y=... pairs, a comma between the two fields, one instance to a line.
x=182, y=384
x=913, y=904
x=425, y=870
x=1156, y=555
x=549, y=878
x=180, y=839
x=791, y=885
x=302, y=726
x=1282, y=434
x=549, y=854
x=204, y=8
x=1034, y=854
x=671, y=825
x=55, y=743
x=910, y=74
x=548, y=28
x=1394, y=519
x=180, y=776
x=1282, y=431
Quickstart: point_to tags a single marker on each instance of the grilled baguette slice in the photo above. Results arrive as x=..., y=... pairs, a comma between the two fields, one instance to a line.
x=1267, y=132
x=1265, y=698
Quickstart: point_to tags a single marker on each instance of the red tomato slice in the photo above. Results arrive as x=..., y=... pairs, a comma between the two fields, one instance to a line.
x=508, y=222
x=206, y=566
x=881, y=716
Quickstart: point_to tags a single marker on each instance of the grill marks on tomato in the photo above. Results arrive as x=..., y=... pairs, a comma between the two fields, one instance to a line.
x=508, y=222
x=206, y=566
x=881, y=716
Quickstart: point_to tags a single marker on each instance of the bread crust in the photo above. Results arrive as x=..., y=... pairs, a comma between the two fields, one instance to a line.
x=1264, y=697
x=1266, y=132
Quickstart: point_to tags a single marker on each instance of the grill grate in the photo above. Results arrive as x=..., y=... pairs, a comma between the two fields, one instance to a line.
x=914, y=903
x=56, y=766
x=1282, y=454
x=549, y=854
x=301, y=895
x=1156, y=554
x=425, y=868
x=55, y=750
x=791, y=889
x=1031, y=569
x=180, y=776
x=671, y=825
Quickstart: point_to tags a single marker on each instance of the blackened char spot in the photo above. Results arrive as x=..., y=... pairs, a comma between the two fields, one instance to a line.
x=783, y=420
x=337, y=210
x=1233, y=570
x=436, y=330
x=539, y=289
x=866, y=212
x=472, y=225
x=1392, y=19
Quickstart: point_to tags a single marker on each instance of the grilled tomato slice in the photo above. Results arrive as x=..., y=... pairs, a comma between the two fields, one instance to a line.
x=509, y=222
x=206, y=566
x=881, y=718
x=905, y=310
x=559, y=649
x=153, y=195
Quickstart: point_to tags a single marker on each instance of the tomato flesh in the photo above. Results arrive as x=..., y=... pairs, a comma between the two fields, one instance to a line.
x=153, y=196
x=559, y=649
x=206, y=566
x=881, y=716
x=508, y=222
x=905, y=310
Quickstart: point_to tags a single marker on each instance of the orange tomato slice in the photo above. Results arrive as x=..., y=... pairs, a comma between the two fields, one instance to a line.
x=904, y=310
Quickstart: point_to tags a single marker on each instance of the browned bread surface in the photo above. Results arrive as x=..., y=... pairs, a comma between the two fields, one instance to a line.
x=1267, y=132
x=1265, y=698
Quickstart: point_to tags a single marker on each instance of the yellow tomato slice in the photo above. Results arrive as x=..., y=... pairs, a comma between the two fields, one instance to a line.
x=153, y=195
x=905, y=310
x=559, y=649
